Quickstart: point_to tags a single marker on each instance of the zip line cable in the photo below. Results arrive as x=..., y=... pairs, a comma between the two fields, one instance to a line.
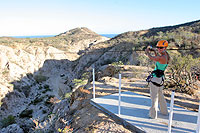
x=135, y=50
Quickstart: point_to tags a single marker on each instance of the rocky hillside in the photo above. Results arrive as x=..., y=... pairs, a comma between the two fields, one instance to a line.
x=20, y=57
x=32, y=71
x=127, y=47
x=41, y=77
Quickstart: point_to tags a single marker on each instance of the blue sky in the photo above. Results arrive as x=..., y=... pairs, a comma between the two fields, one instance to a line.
x=52, y=17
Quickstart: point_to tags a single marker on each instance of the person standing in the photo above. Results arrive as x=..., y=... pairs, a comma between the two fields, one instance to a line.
x=161, y=57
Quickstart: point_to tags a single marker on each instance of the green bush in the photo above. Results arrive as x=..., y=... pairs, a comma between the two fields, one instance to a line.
x=68, y=95
x=116, y=64
x=8, y=121
x=67, y=129
x=46, y=87
x=5, y=72
x=26, y=113
x=37, y=100
x=40, y=78
x=1, y=103
x=181, y=69
x=79, y=82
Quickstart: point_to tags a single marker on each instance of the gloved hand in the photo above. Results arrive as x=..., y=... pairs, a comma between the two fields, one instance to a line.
x=149, y=47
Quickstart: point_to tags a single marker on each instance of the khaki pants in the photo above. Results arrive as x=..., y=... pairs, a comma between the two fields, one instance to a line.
x=157, y=97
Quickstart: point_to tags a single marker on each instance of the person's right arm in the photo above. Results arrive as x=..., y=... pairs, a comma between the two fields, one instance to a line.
x=154, y=58
x=154, y=50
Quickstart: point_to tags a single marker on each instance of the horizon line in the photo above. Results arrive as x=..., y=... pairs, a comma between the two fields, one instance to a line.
x=41, y=36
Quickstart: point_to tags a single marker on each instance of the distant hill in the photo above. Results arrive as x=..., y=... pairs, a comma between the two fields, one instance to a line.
x=193, y=27
x=78, y=31
x=69, y=41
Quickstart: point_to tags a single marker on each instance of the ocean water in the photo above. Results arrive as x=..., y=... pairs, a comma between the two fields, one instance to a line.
x=109, y=35
x=41, y=36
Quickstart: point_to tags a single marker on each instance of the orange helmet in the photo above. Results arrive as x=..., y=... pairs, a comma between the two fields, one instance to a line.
x=162, y=43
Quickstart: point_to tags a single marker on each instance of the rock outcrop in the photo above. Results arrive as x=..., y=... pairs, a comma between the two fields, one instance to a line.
x=80, y=39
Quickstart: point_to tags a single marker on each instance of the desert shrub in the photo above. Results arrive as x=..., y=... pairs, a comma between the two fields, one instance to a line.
x=46, y=87
x=181, y=69
x=26, y=113
x=68, y=95
x=83, y=80
x=8, y=121
x=108, y=61
x=117, y=66
x=40, y=78
x=26, y=90
x=79, y=82
x=29, y=75
x=67, y=129
x=117, y=63
x=37, y=100
x=86, y=75
x=1, y=103
x=5, y=72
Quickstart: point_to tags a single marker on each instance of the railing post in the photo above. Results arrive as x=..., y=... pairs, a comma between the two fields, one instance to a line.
x=119, y=107
x=93, y=83
x=198, y=121
x=171, y=112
